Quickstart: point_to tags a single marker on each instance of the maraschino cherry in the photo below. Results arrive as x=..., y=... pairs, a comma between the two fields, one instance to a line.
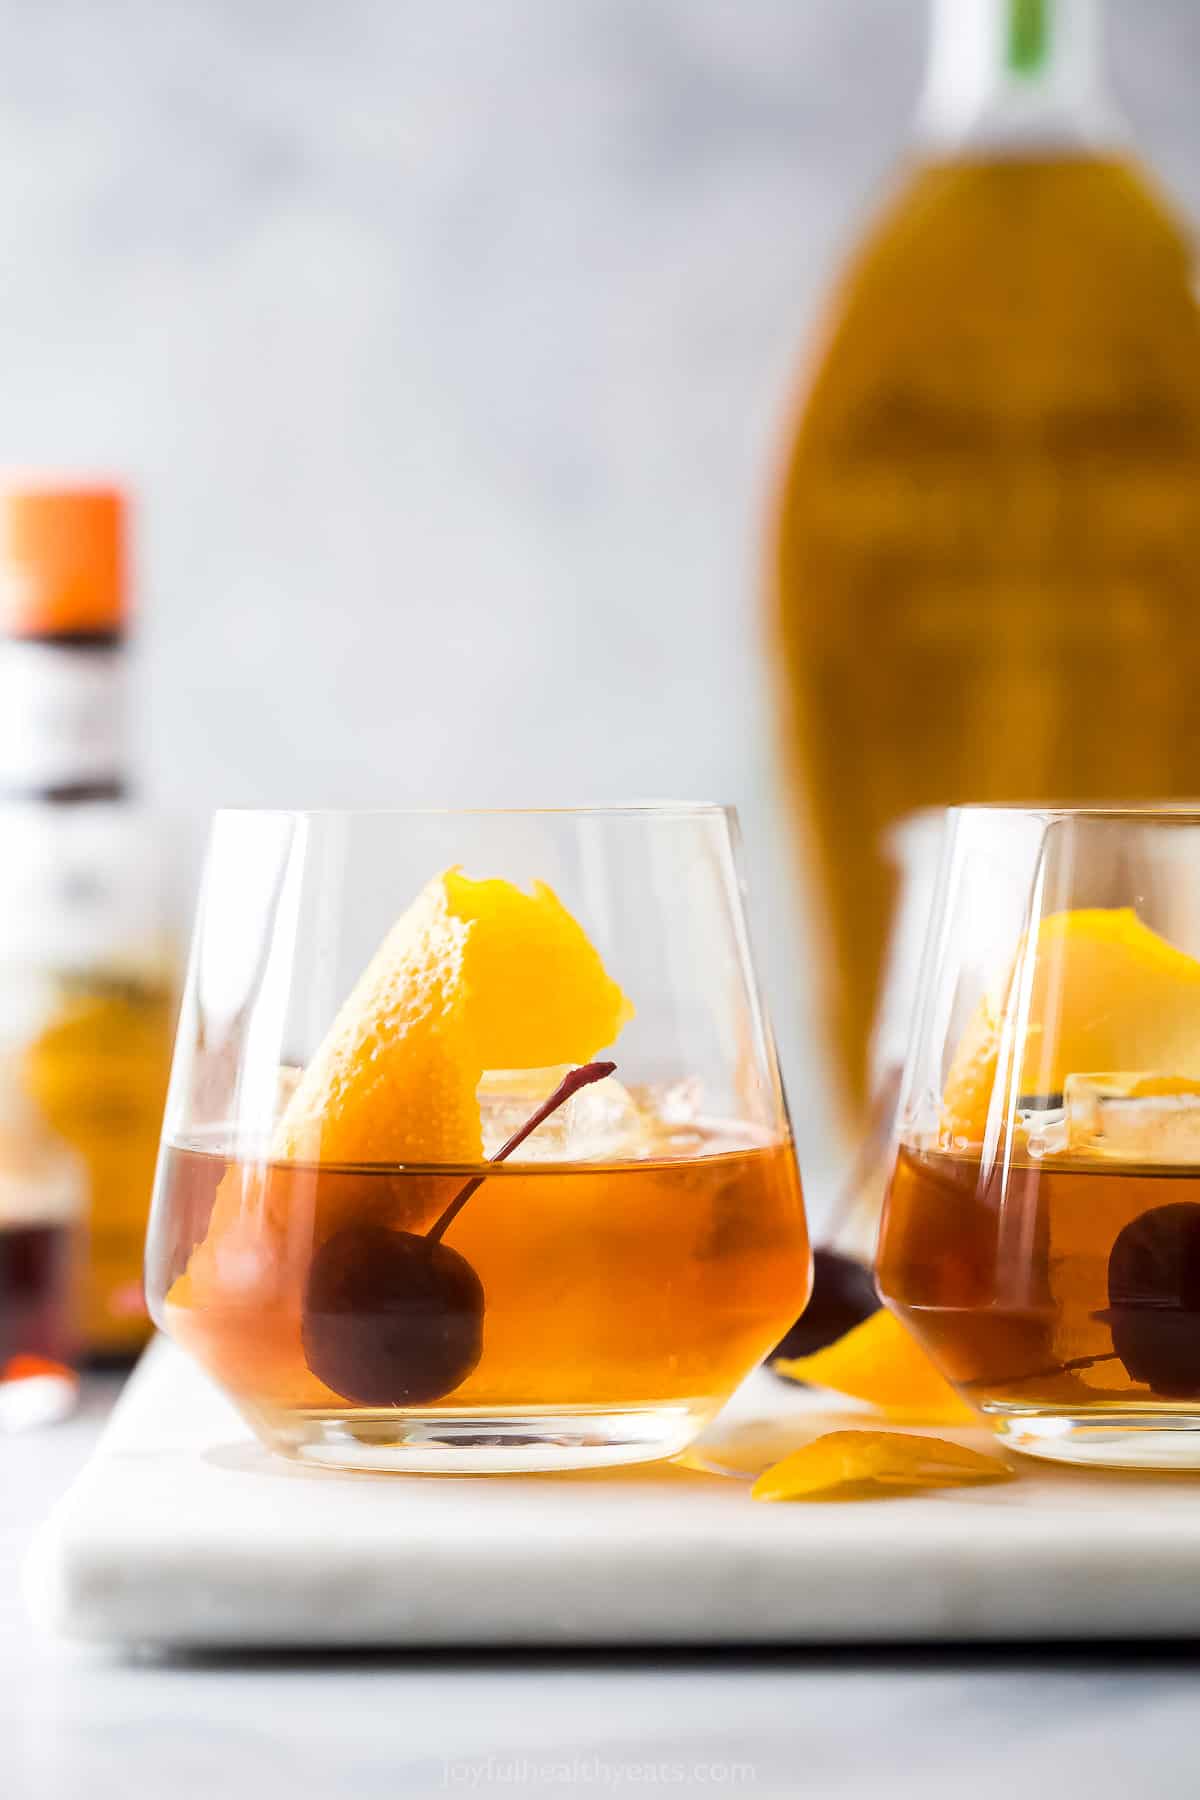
x=393, y=1318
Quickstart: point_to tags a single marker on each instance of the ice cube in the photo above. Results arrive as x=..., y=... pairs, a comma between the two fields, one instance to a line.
x=676, y=1102
x=1045, y=1129
x=675, y=1119
x=1136, y=1116
x=288, y=1080
x=601, y=1123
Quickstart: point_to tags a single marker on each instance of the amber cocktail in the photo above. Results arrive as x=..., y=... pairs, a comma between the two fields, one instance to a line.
x=448, y=1237
x=1042, y=1230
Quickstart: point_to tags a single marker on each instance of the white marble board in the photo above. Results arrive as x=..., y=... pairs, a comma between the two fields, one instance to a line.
x=182, y=1532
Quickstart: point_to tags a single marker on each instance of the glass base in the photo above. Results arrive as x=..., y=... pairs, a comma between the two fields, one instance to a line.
x=509, y=1441
x=1122, y=1438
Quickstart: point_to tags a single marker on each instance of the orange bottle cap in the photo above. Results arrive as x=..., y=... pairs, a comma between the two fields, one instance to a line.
x=62, y=559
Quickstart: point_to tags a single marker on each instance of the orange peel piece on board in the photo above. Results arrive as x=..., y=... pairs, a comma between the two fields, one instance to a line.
x=864, y=1465
x=1104, y=992
x=882, y=1363
x=475, y=975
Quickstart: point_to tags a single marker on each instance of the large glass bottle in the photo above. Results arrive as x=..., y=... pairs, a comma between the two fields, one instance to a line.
x=985, y=554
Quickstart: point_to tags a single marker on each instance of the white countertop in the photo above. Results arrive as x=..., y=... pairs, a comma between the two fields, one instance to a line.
x=86, y=1726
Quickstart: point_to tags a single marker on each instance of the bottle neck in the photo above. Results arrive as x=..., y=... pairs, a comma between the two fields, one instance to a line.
x=1015, y=77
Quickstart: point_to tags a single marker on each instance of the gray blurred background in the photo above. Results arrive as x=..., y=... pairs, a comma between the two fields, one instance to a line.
x=446, y=343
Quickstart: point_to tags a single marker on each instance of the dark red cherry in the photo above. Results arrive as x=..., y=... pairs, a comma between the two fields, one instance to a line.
x=391, y=1319
x=1154, y=1299
x=843, y=1296
x=394, y=1319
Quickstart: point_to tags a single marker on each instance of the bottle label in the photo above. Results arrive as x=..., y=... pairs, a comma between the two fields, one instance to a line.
x=62, y=715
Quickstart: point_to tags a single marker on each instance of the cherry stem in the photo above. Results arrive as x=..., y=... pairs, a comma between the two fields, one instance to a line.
x=1063, y=1368
x=570, y=1084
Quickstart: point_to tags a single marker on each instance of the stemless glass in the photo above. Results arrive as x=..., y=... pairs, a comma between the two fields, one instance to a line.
x=1041, y=1235
x=332, y=1237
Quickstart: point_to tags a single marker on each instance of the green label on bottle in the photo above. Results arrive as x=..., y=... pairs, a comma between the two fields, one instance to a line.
x=1028, y=35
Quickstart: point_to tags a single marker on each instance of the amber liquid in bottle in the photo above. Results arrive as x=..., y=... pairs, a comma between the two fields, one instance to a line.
x=98, y=1070
x=986, y=545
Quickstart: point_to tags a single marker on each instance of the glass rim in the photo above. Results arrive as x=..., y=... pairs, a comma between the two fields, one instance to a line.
x=1165, y=812
x=662, y=809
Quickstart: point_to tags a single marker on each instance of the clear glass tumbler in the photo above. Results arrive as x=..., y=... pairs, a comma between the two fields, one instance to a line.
x=1042, y=1230
x=402, y=1214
